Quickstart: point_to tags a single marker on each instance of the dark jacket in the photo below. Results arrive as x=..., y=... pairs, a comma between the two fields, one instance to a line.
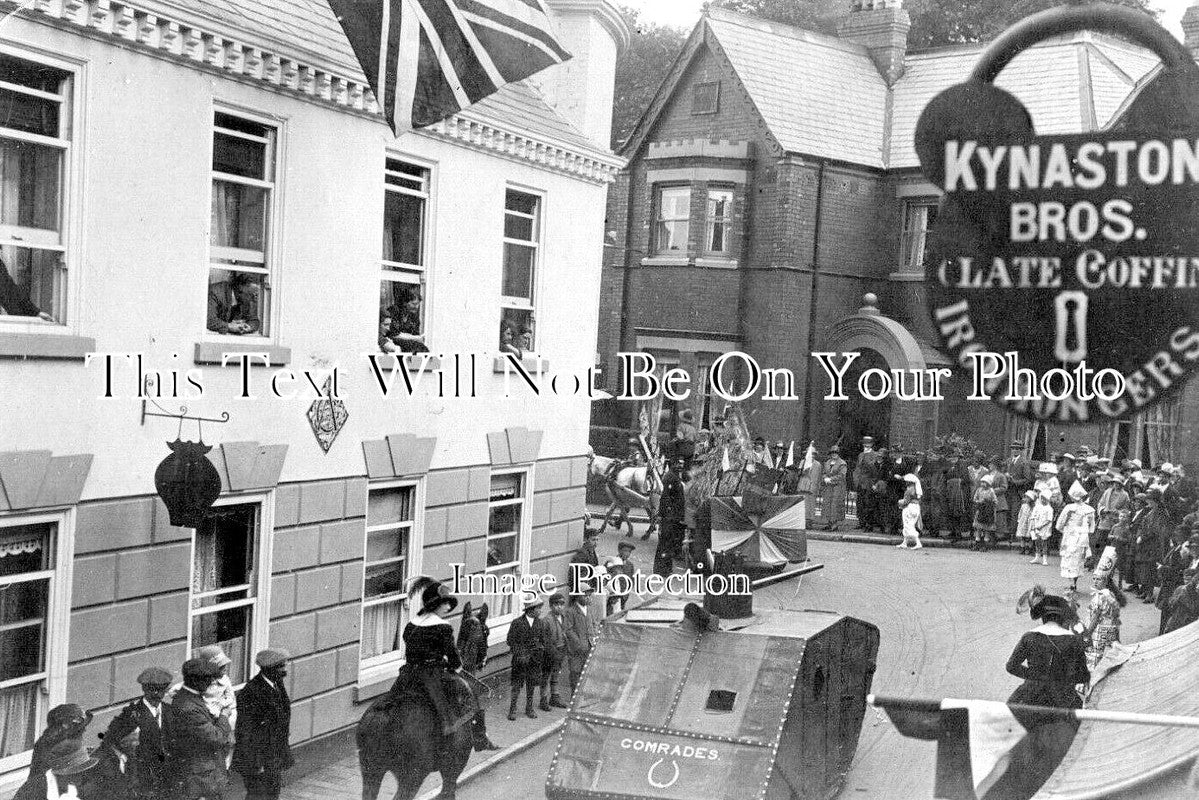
x=583, y=556
x=196, y=743
x=150, y=757
x=431, y=645
x=263, y=728
x=551, y=636
x=578, y=630
x=525, y=647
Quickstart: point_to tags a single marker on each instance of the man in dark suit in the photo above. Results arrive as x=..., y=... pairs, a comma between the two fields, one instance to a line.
x=863, y=484
x=197, y=741
x=550, y=631
x=585, y=555
x=672, y=511
x=145, y=717
x=577, y=619
x=262, y=752
x=527, y=655
x=1020, y=477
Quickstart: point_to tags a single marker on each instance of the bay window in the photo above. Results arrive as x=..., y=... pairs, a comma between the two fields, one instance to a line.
x=673, y=223
x=35, y=145
x=720, y=221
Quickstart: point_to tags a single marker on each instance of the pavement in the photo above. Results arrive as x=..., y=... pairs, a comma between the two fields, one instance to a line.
x=947, y=619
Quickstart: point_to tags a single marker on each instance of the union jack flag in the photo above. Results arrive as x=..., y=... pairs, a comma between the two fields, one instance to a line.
x=428, y=59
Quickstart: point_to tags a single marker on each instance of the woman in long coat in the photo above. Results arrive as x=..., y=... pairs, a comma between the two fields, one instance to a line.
x=1076, y=524
x=833, y=496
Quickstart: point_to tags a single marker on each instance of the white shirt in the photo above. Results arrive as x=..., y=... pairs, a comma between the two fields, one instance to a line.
x=155, y=711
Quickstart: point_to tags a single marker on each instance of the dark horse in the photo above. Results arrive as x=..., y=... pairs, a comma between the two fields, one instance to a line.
x=396, y=738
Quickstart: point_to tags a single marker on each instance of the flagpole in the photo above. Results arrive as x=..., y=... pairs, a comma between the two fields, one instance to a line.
x=1049, y=713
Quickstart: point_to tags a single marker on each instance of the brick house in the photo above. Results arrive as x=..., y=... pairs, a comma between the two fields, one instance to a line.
x=150, y=153
x=772, y=184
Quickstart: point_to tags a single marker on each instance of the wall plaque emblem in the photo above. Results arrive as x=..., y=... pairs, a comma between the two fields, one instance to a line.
x=327, y=416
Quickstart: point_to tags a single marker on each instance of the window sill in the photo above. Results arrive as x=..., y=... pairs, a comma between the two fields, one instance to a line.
x=666, y=261
x=45, y=345
x=716, y=262
x=532, y=364
x=414, y=362
x=376, y=680
x=214, y=352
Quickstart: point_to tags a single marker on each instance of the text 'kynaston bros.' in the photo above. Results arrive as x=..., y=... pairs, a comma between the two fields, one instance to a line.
x=970, y=166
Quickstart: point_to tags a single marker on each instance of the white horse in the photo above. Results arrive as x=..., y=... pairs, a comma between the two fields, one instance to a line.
x=630, y=486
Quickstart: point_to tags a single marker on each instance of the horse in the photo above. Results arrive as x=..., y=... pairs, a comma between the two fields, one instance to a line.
x=628, y=487
x=395, y=737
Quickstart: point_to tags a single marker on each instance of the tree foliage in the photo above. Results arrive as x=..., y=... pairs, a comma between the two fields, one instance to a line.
x=640, y=70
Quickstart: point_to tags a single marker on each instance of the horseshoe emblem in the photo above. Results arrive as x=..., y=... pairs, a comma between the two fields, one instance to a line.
x=673, y=780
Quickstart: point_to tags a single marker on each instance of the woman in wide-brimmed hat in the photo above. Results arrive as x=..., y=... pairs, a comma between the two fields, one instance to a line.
x=910, y=513
x=1076, y=524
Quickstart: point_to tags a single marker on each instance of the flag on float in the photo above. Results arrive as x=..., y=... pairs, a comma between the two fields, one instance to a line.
x=809, y=458
x=790, y=455
x=428, y=59
x=977, y=741
x=767, y=459
x=725, y=465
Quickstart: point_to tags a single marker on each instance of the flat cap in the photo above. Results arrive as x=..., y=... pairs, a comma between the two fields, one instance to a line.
x=155, y=676
x=272, y=657
x=200, y=668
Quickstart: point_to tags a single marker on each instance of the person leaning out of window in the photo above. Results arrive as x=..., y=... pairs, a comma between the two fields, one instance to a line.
x=400, y=325
x=233, y=305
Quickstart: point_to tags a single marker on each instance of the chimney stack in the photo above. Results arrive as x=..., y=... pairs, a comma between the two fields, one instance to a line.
x=1190, y=27
x=881, y=26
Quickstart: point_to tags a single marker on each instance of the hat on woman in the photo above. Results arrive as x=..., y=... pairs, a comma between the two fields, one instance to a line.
x=435, y=595
x=1030, y=494
x=70, y=757
x=833, y=449
x=1077, y=492
x=987, y=479
x=1048, y=467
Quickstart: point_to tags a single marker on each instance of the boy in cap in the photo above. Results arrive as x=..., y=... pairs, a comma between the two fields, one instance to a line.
x=263, y=752
x=621, y=565
x=197, y=741
x=550, y=631
x=527, y=656
x=142, y=722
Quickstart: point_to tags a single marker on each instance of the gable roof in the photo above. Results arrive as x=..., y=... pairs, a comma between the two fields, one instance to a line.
x=821, y=96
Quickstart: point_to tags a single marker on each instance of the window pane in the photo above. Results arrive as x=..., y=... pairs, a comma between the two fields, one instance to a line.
x=401, y=318
x=407, y=175
x=519, y=201
x=382, y=627
x=386, y=544
x=385, y=579
x=20, y=712
x=403, y=228
x=29, y=114
x=518, y=227
x=36, y=281
x=719, y=204
x=502, y=604
x=25, y=548
x=29, y=184
x=518, y=271
x=24, y=602
x=675, y=203
x=22, y=651
x=516, y=330
x=225, y=549
x=237, y=301
x=238, y=216
x=237, y=156
x=389, y=505
x=231, y=630
x=505, y=487
x=501, y=551
x=504, y=519
x=673, y=235
x=716, y=241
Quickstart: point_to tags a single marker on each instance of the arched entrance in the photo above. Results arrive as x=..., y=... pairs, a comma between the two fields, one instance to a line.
x=885, y=344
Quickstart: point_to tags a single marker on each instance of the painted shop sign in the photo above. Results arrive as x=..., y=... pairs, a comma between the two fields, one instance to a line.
x=1063, y=271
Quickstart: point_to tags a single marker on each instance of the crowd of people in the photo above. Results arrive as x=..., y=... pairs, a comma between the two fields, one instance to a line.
x=175, y=742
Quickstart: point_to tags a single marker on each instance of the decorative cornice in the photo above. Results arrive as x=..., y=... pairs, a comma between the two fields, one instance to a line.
x=487, y=135
x=135, y=27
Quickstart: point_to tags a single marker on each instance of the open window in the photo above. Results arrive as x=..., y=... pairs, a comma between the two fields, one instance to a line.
x=522, y=242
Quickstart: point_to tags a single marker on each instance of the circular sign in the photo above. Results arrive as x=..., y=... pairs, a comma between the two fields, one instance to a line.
x=1063, y=271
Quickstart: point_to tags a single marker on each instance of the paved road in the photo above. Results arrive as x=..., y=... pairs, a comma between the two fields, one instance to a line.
x=948, y=623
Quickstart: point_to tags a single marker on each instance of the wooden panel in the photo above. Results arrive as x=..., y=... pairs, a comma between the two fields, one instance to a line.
x=497, y=444
x=399, y=444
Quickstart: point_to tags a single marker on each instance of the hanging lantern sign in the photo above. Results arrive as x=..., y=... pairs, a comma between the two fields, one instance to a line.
x=188, y=483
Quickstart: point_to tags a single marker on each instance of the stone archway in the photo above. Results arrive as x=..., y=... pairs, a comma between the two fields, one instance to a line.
x=884, y=343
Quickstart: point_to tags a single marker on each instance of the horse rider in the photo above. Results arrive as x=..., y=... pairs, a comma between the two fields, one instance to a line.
x=431, y=657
